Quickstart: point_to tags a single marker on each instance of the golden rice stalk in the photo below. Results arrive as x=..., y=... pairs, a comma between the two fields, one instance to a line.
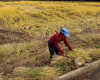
x=80, y=53
x=58, y=59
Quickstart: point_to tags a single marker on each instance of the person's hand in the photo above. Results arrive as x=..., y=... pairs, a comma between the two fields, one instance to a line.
x=71, y=50
x=64, y=54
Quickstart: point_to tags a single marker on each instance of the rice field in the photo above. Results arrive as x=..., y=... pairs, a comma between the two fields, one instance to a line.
x=40, y=20
x=39, y=17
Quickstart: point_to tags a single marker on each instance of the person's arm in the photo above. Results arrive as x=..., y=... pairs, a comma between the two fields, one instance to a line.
x=66, y=43
x=59, y=49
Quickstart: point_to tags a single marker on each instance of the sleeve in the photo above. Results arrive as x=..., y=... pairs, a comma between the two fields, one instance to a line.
x=66, y=43
x=57, y=45
x=59, y=49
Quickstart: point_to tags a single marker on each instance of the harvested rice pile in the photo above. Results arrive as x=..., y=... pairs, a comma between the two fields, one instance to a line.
x=81, y=54
x=57, y=59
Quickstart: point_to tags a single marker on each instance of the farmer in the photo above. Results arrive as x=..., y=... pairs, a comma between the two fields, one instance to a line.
x=55, y=40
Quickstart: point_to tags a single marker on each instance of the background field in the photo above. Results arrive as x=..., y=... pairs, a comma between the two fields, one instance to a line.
x=26, y=26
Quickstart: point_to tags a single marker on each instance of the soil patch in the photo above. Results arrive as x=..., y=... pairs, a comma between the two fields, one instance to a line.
x=7, y=36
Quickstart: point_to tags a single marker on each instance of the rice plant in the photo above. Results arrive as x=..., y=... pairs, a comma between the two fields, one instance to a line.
x=78, y=52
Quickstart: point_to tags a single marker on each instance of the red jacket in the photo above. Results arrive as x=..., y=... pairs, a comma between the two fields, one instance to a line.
x=56, y=39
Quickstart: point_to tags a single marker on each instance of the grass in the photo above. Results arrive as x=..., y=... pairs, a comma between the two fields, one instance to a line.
x=98, y=46
x=95, y=54
x=64, y=67
x=40, y=73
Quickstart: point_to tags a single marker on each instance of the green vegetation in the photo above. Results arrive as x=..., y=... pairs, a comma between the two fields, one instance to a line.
x=40, y=73
x=95, y=54
x=64, y=67
x=98, y=46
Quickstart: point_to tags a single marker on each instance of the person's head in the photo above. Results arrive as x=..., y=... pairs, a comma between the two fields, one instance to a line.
x=64, y=32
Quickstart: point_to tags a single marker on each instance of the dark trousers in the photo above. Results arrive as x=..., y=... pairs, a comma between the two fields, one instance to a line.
x=52, y=49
